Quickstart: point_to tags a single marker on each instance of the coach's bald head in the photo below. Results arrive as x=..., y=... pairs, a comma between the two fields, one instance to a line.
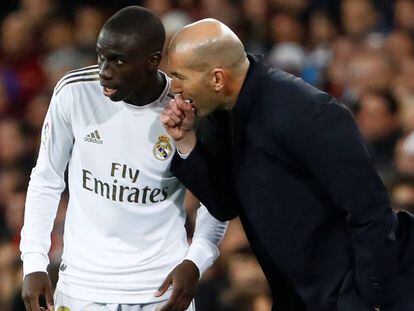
x=210, y=54
x=209, y=43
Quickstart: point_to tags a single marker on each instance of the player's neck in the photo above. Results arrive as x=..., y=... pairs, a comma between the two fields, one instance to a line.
x=152, y=91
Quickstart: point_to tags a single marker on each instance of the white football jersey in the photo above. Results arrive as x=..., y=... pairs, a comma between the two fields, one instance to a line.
x=124, y=227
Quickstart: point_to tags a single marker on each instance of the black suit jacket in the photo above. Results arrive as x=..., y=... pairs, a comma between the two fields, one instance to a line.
x=289, y=160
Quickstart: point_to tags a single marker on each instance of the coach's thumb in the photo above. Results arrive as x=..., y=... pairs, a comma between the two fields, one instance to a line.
x=164, y=286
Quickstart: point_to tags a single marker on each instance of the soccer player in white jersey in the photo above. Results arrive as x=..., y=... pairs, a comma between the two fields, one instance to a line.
x=125, y=245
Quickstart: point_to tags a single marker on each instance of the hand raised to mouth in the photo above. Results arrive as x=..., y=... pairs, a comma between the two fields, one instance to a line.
x=178, y=119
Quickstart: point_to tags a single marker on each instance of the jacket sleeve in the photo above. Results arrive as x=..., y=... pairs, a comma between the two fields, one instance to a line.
x=207, y=171
x=45, y=186
x=210, y=183
x=329, y=145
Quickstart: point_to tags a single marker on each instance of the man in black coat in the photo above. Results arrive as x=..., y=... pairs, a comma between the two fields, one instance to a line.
x=289, y=161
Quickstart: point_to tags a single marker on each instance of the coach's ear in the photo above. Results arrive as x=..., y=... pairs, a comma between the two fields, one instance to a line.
x=154, y=61
x=217, y=79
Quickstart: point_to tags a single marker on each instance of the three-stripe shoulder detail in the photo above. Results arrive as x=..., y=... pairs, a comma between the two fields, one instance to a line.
x=79, y=75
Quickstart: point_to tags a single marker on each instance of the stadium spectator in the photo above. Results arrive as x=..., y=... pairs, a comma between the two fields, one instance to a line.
x=325, y=39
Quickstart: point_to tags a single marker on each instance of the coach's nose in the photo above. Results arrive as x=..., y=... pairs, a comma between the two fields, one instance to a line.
x=176, y=86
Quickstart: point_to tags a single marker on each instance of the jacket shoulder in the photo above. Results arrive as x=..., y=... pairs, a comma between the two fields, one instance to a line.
x=290, y=96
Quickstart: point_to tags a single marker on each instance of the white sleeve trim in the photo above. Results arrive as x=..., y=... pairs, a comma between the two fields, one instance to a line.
x=34, y=262
x=208, y=233
x=203, y=254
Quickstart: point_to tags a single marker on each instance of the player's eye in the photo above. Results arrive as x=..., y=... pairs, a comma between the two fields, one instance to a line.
x=119, y=62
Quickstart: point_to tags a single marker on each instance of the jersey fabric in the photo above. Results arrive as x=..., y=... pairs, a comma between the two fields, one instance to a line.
x=68, y=303
x=124, y=228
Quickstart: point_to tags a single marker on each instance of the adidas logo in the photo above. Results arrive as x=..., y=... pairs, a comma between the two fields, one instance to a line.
x=93, y=137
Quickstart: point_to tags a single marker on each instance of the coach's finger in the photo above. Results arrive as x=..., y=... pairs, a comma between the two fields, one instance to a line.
x=167, y=121
x=171, y=113
x=174, y=107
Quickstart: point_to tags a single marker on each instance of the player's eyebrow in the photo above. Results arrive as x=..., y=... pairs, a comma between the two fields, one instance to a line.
x=109, y=52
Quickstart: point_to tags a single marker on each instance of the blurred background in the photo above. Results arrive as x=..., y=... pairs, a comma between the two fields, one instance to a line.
x=360, y=51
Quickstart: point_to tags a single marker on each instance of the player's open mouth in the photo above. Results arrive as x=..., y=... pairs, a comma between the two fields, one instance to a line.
x=108, y=91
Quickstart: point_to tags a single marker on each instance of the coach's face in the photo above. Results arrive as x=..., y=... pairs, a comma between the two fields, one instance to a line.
x=124, y=65
x=193, y=84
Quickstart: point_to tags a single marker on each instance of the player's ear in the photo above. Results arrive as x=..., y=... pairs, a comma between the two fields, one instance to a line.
x=154, y=61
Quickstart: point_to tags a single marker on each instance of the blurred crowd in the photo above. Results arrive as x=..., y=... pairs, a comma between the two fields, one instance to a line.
x=360, y=51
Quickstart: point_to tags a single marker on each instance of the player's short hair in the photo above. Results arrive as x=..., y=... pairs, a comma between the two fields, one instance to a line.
x=140, y=23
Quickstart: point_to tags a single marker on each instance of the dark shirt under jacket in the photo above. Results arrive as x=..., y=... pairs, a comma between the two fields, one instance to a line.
x=290, y=161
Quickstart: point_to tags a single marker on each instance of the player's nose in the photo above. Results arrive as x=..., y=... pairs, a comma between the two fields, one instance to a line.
x=105, y=72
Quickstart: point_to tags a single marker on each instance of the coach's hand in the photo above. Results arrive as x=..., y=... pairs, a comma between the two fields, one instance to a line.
x=184, y=279
x=178, y=118
x=37, y=284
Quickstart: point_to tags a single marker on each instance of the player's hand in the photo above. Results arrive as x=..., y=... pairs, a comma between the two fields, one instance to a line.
x=178, y=119
x=184, y=279
x=37, y=284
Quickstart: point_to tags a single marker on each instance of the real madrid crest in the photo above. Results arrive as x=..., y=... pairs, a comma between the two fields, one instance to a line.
x=162, y=149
